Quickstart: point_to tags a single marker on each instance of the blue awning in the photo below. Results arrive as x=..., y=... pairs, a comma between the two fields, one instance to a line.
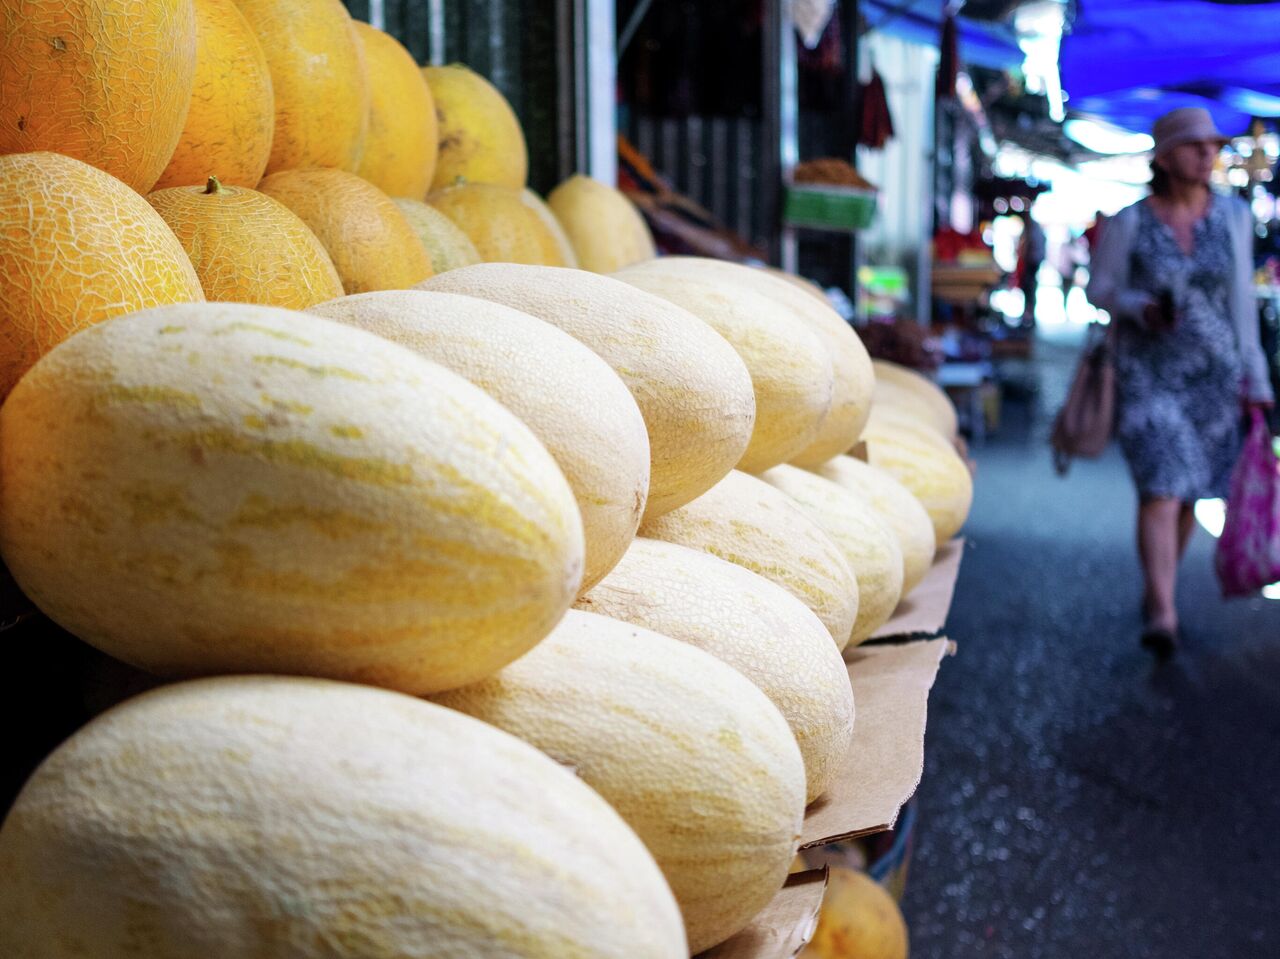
x=1129, y=61
x=982, y=44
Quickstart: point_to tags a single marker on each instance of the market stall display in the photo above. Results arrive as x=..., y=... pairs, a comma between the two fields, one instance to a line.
x=387, y=505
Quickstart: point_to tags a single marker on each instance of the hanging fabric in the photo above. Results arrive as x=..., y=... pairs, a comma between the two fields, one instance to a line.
x=877, y=122
x=948, y=58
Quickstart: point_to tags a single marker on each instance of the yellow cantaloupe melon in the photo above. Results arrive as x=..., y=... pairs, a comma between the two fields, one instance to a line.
x=272, y=816
x=370, y=242
x=692, y=388
x=893, y=502
x=744, y=620
x=247, y=247
x=101, y=81
x=501, y=224
x=791, y=370
x=898, y=385
x=606, y=230
x=448, y=247
x=746, y=521
x=853, y=380
x=233, y=109
x=868, y=543
x=692, y=756
x=319, y=80
x=535, y=203
x=921, y=459
x=77, y=246
x=480, y=137
x=399, y=156
x=219, y=487
x=574, y=403
x=858, y=920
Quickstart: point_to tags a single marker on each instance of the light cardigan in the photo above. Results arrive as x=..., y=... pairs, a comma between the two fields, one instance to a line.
x=1109, y=287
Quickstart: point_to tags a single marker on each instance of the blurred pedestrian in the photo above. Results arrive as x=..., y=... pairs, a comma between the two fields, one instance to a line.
x=1068, y=263
x=1031, y=250
x=1175, y=272
x=1093, y=233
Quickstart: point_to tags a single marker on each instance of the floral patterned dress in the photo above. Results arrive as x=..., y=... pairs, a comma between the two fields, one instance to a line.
x=1178, y=415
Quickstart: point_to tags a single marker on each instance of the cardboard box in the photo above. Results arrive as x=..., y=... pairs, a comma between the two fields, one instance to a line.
x=924, y=612
x=891, y=686
x=784, y=926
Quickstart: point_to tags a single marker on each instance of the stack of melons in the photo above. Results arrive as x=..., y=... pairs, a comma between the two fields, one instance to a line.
x=259, y=442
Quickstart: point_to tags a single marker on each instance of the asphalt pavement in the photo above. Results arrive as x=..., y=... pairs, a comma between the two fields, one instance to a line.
x=1078, y=798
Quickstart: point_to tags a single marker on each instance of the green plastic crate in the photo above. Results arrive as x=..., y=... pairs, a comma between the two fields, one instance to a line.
x=829, y=207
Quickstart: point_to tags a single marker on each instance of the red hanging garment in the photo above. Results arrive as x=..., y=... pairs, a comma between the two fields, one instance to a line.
x=877, y=123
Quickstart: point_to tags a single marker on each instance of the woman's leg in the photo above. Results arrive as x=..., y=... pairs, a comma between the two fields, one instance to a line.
x=1186, y=526
x=1158, y=547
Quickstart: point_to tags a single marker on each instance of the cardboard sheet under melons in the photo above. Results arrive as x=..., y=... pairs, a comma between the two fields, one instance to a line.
x=891, y=677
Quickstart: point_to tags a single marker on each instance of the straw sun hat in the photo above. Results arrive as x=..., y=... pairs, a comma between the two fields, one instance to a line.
x=1185, y=125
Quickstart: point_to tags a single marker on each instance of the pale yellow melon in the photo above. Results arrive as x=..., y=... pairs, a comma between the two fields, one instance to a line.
x=535, y=203
x=501, y=224
x=791, y=370
x=574, y=403
x=606, y=229
x=746, y=521
x=917, y=456
x=851, y=365
x=895, y=505
x=800, y=282
x=446, y=244
x=867, y=542
x=229, y=488
x=692, y=389
x=695, y=758
x=902, y=386
x=756, y=627
x=273, y=816
x=480, y=136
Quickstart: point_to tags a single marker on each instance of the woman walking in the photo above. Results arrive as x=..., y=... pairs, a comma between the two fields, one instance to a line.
x=1175, y=272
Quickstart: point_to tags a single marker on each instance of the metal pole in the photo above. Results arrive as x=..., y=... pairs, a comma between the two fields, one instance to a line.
x=566, y=87
x=601, y=91
x=377, y=14
x=633, y=24
x=587, y=69
x=781, y=146
x=435, y=41
x=850, y=15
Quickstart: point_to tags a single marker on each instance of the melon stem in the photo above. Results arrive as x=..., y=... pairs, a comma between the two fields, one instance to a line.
x=214, y=186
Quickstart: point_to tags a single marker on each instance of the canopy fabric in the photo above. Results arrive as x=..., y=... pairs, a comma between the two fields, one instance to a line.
x=981, y=44
x=1129, y=61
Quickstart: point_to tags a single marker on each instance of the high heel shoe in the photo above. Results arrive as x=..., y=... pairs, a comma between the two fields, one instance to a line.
x=1162, y=641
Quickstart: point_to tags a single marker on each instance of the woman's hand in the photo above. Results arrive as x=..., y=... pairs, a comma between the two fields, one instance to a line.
x=1160, y=316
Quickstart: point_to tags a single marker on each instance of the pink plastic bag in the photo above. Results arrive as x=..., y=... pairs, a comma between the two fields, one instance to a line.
x=1248, y=556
